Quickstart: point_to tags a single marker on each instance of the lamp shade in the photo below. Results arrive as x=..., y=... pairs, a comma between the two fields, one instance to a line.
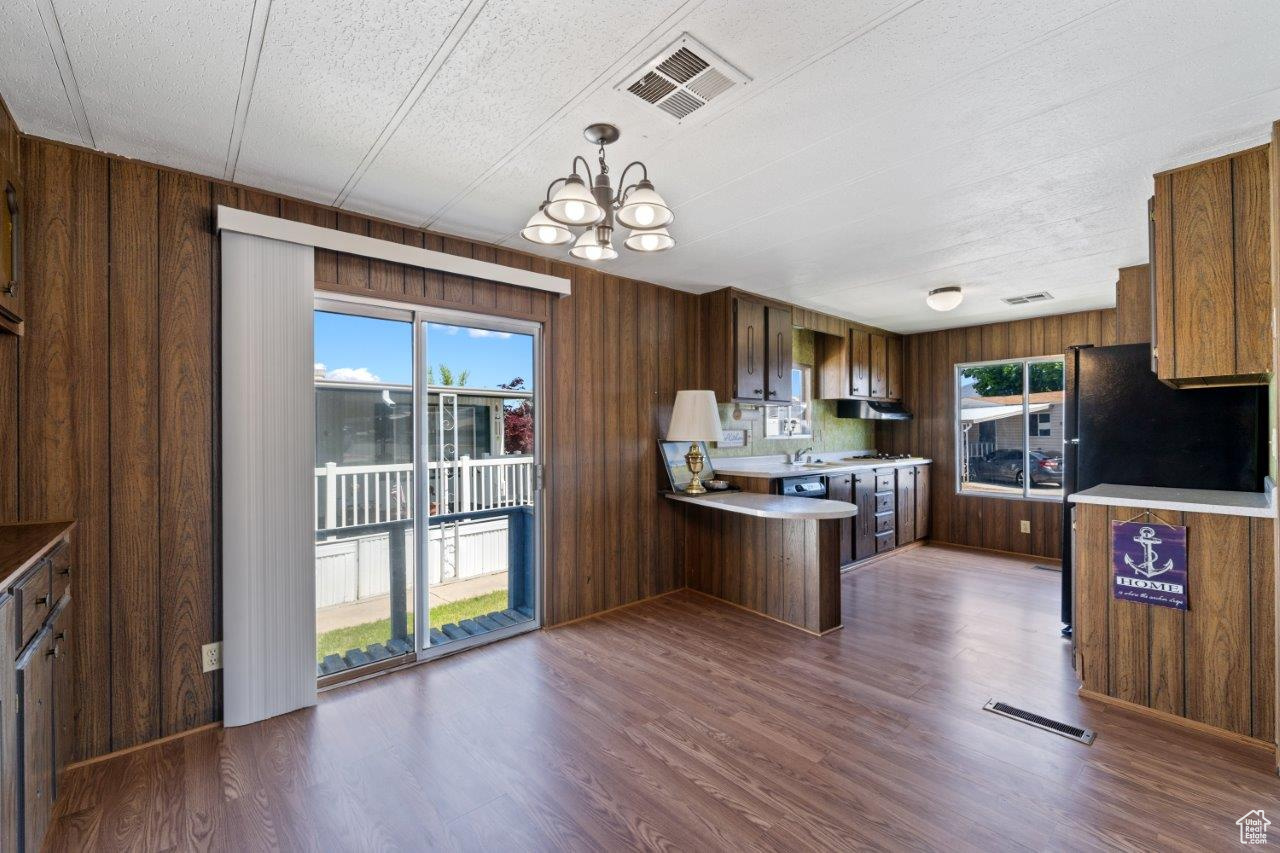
x=944, y=298
x=589, y=248
x=544, y=230
x=573, y=204
x=644, y=208
x=652, y=240
x=695, y=417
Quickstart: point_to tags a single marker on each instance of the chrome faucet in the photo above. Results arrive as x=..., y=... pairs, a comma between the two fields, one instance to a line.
x=795, y=458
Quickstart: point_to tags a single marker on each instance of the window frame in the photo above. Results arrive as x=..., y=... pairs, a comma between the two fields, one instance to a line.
x=958, y=430
x=806, y=400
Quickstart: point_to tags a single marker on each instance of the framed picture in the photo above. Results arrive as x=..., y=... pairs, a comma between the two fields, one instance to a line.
x=677, y=471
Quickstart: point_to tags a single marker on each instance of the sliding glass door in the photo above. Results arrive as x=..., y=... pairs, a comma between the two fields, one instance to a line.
x=426, y=498
x=480, y=442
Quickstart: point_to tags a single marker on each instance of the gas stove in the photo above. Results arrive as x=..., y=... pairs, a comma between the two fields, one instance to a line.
x=892, y=456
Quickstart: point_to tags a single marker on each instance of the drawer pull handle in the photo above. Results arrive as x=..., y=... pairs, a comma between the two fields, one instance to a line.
x=43, y=600
x=65, y=572
x=60, y=636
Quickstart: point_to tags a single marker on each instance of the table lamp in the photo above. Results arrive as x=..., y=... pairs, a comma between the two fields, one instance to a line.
x=695, y=418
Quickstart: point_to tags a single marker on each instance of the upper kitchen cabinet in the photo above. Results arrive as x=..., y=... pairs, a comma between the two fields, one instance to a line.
x=10, y=227
x=1211, y=278
x=748, y=347
x=862, y=365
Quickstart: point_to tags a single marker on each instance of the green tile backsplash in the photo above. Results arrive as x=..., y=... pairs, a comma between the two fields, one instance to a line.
x=829, y=432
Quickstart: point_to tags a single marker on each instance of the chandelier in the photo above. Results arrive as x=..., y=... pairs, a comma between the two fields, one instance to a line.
x=575, y=205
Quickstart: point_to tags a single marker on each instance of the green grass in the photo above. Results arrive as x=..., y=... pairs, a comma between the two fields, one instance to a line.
x=339, y=640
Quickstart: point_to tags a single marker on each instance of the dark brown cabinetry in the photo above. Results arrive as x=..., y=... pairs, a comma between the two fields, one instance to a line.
x=863, y=365
x=840, y=488
x=893, y=507
x=35, y=745
x=879, y=367
x=748, y=349
x=922, y=500
x=777, y=381
x=906, y=505
x=35, y=677
x=747, y=354
x=1211, y=272
x=864, y=495
x=11, y=209
x=859, y=363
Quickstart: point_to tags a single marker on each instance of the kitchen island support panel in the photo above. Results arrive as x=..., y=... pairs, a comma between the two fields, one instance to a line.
x=786, y=569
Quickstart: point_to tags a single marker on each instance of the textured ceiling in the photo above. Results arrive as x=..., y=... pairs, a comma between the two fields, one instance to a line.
x=881, y=148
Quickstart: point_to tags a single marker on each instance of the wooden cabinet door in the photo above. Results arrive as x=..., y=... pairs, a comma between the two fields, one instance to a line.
x=922, y=501
x=748, y=349
x=1250, y=190
x=35, y=701
x=63, y=685
x=879, y=366
x=1202, y=271
x=12, y=285
x=859, y=363
x=893, y=368
x=906, y=509
x=778, y=381
x=840, y=488
x=9, y=808
x=864, y=495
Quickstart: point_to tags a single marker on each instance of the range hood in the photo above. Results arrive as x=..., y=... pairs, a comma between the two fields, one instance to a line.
x=872, y=410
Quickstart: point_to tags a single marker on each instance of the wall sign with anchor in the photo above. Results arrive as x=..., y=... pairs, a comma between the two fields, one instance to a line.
x=1149, y=562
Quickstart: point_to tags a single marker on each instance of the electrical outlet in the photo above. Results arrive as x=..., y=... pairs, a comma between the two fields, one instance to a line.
x=211, y=655
x=1026, y=525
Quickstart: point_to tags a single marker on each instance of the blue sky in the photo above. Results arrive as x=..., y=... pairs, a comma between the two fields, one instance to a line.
x=371, y=350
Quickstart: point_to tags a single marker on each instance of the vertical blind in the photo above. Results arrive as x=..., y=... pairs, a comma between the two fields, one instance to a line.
x=268, y=460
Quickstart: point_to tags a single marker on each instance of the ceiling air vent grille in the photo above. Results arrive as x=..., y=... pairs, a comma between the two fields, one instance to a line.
x=683, y=65
x=682, y=79
x=1026, y=299
x=653, y=87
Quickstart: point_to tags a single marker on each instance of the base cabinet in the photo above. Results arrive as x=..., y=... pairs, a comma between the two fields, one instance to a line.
x=893, y=508
x=840, y=488
x=35, y=679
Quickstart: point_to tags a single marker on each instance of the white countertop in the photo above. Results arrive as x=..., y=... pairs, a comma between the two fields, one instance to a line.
x=1256, y=504
x=772, y=467
x=771, y=506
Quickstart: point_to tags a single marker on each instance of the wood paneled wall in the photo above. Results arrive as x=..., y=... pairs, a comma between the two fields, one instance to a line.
x=930, y=394
x=1214, y=662
x=110, y=406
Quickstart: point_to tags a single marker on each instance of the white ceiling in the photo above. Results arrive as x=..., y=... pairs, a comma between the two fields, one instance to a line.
x=882, y=147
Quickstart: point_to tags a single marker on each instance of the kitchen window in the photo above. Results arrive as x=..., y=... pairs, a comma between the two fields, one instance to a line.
x=794, y=420
x=1009, y=428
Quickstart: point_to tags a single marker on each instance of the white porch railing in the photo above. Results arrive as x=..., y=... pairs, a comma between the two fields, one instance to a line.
x=353, y=495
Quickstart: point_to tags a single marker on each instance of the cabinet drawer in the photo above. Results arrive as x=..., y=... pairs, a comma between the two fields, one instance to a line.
x=885, y=481
x=884, y=501
x=32, y=603
x=59, y=573
x=884, y=522
x=884, y=541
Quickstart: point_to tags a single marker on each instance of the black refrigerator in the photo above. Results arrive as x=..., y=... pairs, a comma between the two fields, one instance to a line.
x=1126, y=427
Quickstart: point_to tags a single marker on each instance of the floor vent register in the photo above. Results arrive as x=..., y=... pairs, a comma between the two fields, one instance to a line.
x=1067, y=730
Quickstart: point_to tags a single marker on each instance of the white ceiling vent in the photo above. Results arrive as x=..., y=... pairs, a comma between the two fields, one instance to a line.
x=683, y=79
x=1029, y=298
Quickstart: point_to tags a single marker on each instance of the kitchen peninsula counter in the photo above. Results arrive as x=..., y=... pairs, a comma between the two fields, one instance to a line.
x=773, y=555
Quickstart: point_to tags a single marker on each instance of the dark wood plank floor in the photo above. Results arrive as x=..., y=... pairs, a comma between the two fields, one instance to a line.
x=684, y=723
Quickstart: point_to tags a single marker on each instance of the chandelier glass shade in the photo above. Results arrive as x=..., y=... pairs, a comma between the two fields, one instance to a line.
x=572, y=202
x=593, y=246
x=545, y=230
x=649, y=240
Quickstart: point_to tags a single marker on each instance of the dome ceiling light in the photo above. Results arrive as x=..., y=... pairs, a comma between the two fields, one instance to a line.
x=944, y=298
x=571, y=203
